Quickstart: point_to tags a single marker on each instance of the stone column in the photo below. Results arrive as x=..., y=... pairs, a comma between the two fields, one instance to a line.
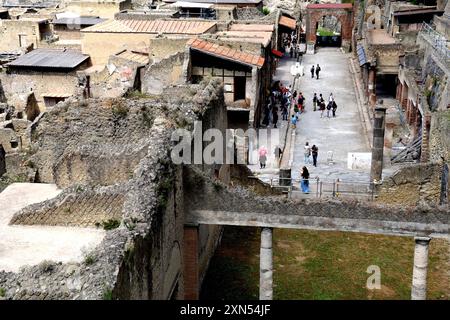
x=419, y=282
x=191, y=268
x=266, y=265
x=371, y=87
x=379, y=122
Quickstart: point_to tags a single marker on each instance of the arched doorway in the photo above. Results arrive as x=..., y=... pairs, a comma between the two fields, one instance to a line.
x=338, y=16
x=328, y=31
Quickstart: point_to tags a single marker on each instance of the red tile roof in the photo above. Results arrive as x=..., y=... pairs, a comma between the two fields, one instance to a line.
x=226, y=53
x=153, y=26
x=329, y=6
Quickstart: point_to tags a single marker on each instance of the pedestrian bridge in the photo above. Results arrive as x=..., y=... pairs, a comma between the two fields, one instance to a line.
x=213, y=203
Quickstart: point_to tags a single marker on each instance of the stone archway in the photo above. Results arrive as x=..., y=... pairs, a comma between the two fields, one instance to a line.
x=342, y=11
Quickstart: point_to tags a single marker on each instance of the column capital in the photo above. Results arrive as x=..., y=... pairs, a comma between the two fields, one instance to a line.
x=422, y=240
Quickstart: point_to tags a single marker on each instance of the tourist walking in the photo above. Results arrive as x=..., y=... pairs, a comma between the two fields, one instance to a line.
x=312, y=72
x=329, y=105
x=334, y=107
x=262, y=157
x=305, y=180
x=301, y=102
x=294, y=121
x=317, y=71
x=331, y=98
x=275, y=116
x=307, y=153
x=284, y=112
x=322, y=108
x=315, y=99
x=315, y=153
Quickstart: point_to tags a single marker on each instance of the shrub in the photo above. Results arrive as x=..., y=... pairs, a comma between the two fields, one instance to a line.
x=89, y=259
x=111, y=224
x=2, y=292
x=266, y=11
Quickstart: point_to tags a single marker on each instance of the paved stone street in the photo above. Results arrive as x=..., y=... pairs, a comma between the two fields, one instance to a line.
x=340, y=135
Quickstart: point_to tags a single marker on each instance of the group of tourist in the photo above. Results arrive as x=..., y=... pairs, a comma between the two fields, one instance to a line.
x=330, y=106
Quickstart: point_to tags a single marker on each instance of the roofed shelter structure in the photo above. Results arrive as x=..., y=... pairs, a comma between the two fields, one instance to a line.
x=342, y=11
x=51, y=74
x=241, y=73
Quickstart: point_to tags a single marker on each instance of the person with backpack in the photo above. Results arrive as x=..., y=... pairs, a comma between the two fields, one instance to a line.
x=315, y=153
x=317, y=71
x=307, y=152
x=329, y=105
x=312, y=72
x=315, y=99
x=334, y=107
x=322, y=108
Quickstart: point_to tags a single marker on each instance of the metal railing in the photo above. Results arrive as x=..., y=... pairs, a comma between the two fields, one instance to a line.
x=438, y=41
x=323, y=188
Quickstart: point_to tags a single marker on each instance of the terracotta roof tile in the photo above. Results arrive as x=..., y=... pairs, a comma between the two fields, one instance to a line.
x=224, y=52
x=152, y=26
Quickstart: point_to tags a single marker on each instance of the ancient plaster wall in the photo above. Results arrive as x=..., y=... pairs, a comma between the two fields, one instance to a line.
x=10, y=31
x=19, y=83
x=101, y=45
x=162, y=48
x=101, y=9
x=166, y=72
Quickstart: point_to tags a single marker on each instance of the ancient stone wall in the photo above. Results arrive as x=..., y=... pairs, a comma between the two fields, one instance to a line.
x=440, y=136
x=77, y=206
x=412, y=185
x=168, y=71
x=143, y=257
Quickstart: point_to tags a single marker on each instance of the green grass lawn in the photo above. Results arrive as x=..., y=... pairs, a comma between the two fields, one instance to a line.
x=322, y=265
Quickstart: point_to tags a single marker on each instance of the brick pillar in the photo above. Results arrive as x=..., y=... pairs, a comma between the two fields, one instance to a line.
x=419, y=281
x=379, y=123
x=191, y=268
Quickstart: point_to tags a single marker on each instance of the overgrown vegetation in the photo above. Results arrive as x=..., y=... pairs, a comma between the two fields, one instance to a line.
x=110, y=224
x=265, y=10
x=324, y=32
x=136, y=94
x=107, y=294
x=90, y=258
x=2, y=292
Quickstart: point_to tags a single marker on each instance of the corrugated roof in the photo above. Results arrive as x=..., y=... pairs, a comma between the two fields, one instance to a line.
x=226, y=53
x=288, y=22
x=153, y=26
x=252, y=27
x=133, y=56
x=329, y=6
x=81, y=21
x=50, y=58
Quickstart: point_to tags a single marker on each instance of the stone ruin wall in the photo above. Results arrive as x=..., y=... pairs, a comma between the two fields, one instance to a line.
x=142, y=259
x=412, y=185
x=77, y=207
